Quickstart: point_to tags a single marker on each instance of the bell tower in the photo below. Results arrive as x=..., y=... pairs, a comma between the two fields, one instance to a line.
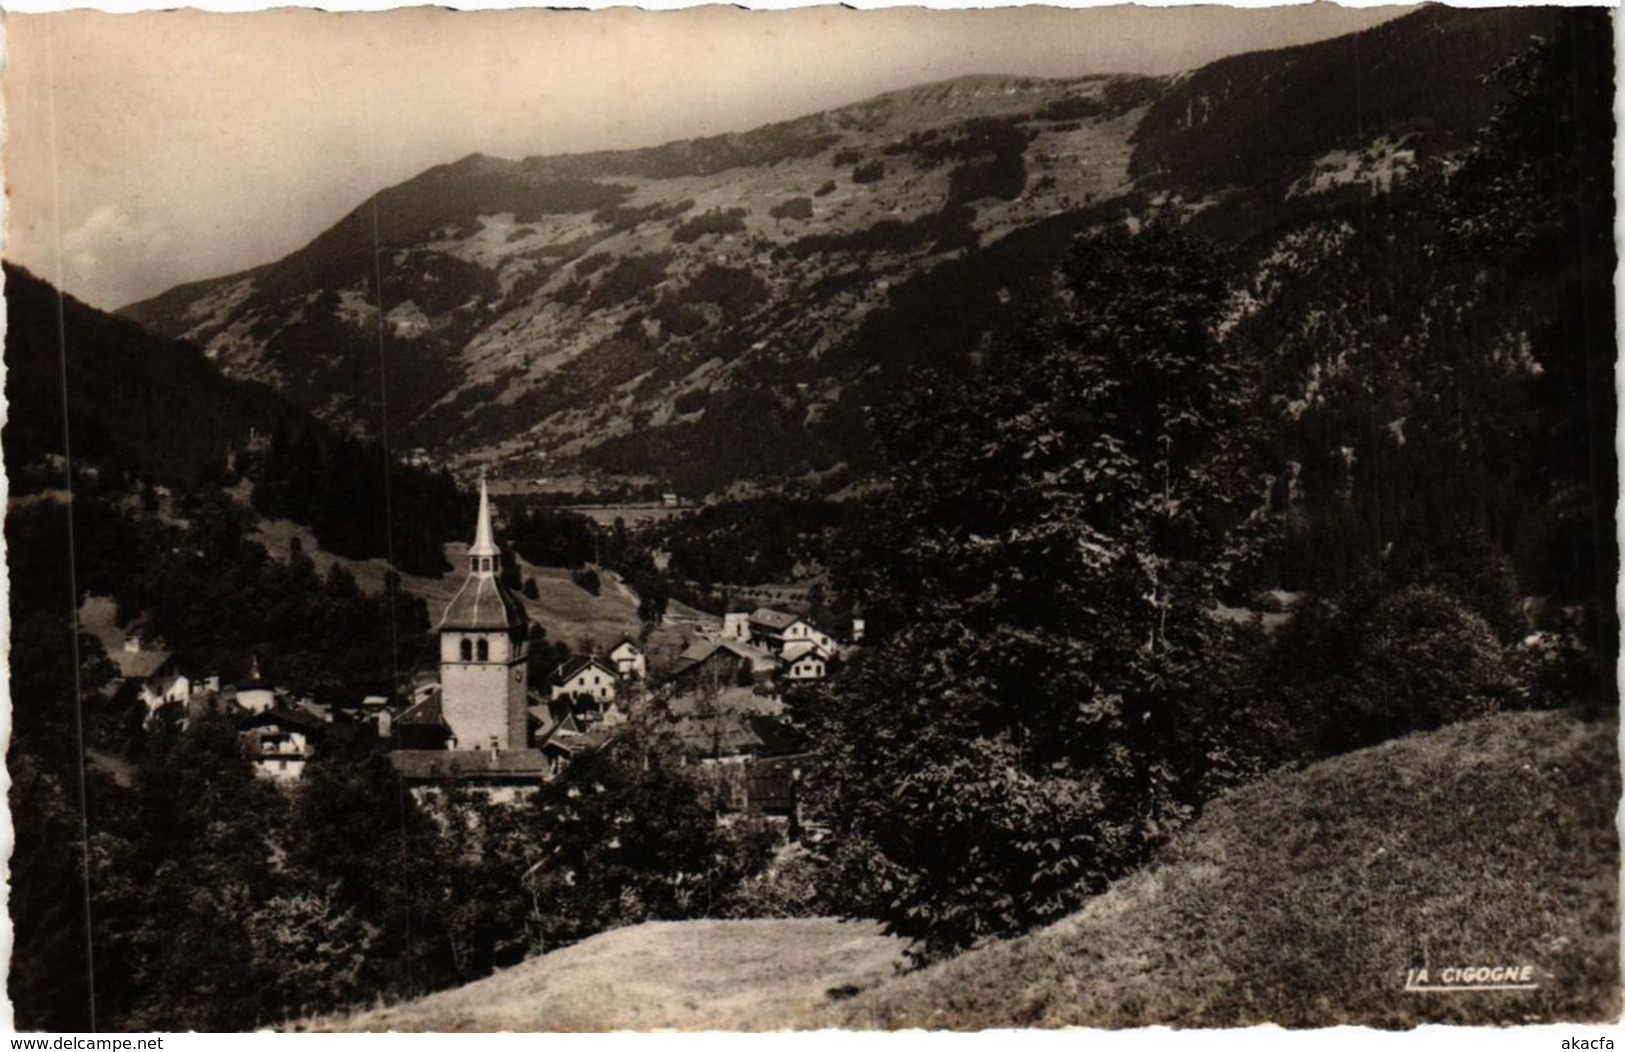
x=483, y=636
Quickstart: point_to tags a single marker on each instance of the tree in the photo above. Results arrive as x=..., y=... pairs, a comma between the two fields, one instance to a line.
x=1043, y=576
x=628, y=835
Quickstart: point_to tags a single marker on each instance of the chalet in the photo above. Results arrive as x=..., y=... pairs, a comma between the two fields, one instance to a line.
x=775, y=630
x=586, y=675
x=629, y=660
x=503, y=775
x=711, y=665
x=756, y=760
x=280, y=742
x=809, y=664
x=569, y=741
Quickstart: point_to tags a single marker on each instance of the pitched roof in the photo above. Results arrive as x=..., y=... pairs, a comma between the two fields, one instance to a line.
x=426, y=713
x=482, y=604
x=484, y=542
x=500, y=765
x=777, y=620
x=576, y=665
x=700, y=652
x=293, y=718
x=728, y=699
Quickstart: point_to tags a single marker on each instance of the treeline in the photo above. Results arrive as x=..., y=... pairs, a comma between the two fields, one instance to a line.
x=756, y=541
x=206, y=899
x=549, y=537
x=358, y=501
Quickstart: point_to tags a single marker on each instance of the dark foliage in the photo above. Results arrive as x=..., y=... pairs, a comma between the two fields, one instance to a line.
x=1030, y=727
x=1305, y=98
x=716, y=221
x=359, y=502
x=794, y=208
x=140, y=404
x=872, y=172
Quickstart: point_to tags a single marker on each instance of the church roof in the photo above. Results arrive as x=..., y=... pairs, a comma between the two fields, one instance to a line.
x=484, y=542
x=482, y=604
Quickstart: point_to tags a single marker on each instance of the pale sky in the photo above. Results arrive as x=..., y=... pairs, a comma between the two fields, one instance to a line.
x=144, y=150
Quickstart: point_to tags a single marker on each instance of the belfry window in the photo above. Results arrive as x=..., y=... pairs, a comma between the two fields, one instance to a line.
x=467, y=650
x=483, y=650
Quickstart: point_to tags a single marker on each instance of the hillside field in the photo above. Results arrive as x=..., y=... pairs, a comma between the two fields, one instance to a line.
x=1303, y=900
x=1300, y=900
x=683, y=975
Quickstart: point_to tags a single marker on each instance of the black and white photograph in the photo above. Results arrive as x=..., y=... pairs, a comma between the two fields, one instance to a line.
x=884, y=520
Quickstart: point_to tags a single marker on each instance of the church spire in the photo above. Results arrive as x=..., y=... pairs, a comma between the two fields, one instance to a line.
x=482, y=554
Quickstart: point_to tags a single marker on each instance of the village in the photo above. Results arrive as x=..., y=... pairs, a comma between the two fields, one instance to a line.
x=477, y=722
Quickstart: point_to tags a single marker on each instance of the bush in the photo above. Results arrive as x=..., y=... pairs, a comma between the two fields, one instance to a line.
x=587, y=581
x=1371, y=668
x=793, y=885
x=795, y=208
x=715, y=221
x=872, y=172
x=825, y=190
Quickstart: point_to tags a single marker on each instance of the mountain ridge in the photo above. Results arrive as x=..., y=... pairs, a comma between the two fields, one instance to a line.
x=605, y=309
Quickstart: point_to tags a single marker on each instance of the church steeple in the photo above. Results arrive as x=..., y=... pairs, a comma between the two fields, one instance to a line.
x=482, y=555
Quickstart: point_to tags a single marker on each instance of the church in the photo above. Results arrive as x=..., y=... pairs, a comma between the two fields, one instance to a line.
x=481, y=707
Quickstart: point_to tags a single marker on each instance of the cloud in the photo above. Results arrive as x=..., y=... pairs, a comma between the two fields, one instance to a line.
x=105, y=249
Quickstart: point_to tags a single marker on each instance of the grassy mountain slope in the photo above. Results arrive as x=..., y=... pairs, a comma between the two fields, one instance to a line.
x=737, y=294
x=1304, y=898
x=537, y=303
x=690, y=975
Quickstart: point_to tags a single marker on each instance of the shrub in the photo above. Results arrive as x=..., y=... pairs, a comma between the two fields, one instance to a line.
x=715, y=221
x=795, y=208
x=825, y=190
x=872, y=172
x=587, y=581
x=1429, y=661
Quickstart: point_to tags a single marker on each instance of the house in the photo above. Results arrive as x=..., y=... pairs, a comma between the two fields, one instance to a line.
x=629, y=660
x=422, y=725
x=810, y=664
x=736, y=626
x=710, y=665
x=586, y=675
x=756, y=761
x=774, y=631
x=569, y=740
x=280, y=742
x=503, y=775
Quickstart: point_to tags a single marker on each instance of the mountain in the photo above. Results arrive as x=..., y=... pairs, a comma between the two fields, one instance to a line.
x=729, y=308
x=151, y=406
